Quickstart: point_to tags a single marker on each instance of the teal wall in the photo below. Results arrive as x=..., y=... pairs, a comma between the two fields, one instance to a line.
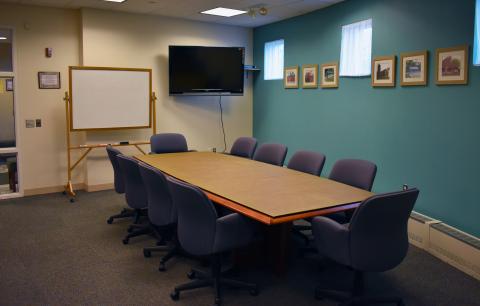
x=423, y=136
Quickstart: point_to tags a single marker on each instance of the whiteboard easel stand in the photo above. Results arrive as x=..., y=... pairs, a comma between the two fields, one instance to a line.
x=69, y=186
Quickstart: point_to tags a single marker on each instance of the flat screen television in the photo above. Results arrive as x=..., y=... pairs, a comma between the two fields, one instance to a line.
x=206, y=70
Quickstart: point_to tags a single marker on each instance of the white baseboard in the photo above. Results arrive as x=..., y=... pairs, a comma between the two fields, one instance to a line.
x=449, y=244
x=79, y=186
x=99, y=187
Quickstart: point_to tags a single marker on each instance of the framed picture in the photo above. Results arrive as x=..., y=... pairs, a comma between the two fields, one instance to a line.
x=329, y=75
x=414, y=68
x=49, y=80
x=9, y=84
x=290, y=78
x=383, y=71
x=309, y=76
x=452, y=65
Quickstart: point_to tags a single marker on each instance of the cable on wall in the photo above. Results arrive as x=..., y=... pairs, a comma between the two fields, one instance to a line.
x=223, y=128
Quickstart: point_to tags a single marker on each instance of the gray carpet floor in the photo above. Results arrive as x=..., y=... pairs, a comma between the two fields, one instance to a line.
x=53, y=252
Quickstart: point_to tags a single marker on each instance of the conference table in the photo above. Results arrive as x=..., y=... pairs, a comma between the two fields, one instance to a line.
x=275, y=196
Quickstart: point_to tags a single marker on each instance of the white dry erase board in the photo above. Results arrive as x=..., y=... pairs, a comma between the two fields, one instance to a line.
x=110, y=98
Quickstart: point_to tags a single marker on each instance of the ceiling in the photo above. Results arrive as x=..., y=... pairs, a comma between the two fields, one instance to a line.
x=189, y=9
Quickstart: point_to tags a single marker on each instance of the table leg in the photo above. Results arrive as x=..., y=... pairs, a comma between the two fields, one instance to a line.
x=278, y=246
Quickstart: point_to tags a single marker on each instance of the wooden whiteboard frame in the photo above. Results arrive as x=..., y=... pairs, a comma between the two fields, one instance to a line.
x=71, y=68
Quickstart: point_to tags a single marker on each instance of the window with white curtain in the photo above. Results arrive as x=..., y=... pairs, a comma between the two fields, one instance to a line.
x=476, y=42
x=356, y=52
x=273, y=60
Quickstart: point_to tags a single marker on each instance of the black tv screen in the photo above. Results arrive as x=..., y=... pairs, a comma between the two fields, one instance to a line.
x=206, y=70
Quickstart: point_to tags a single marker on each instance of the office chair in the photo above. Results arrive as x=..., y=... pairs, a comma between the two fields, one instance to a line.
x=376, y=240
x=271, y=153
x=307, y=161
x=202, y=233
x=162, y=214
x=354, y=172
x=244, y=147
x=168, y=143
x=135, y=194
x=311, y=163
x=118, y=183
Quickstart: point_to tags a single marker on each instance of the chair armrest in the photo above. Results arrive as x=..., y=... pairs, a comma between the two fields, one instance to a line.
x=332, y=239
x=233, y=231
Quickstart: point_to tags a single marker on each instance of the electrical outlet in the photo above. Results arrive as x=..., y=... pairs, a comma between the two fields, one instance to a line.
x=214, y=149
x=38, y=122
x=29, y=123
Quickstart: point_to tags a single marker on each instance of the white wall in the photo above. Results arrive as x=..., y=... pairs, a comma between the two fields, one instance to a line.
x=42, y=159
x=141, y=41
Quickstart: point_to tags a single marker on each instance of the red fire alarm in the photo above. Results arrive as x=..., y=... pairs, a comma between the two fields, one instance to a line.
x=48, y=52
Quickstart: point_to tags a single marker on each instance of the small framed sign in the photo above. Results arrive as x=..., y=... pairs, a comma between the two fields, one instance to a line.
x=49, y=80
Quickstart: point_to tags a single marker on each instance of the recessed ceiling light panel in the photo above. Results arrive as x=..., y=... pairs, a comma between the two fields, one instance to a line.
x=224, y=12
x=119, y=1
x=2, y=38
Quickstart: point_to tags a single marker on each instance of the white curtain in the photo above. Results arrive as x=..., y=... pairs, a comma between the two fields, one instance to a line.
x=356, y=53
x=476, y=43
x=273, y=60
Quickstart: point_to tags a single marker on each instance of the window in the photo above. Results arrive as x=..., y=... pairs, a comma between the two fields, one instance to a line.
x=476, y=42
x=6, y=62
x=356, y=52
x=273, y=60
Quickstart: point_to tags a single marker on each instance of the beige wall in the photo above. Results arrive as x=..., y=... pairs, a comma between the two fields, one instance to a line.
x=102, y=38
x=131, y=40
x=42, y=161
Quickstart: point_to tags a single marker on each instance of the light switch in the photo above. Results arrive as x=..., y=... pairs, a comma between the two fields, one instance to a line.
x=29, y=123
x=38, y=122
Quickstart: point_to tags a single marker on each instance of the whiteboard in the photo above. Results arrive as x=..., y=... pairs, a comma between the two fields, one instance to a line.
x=109, y=98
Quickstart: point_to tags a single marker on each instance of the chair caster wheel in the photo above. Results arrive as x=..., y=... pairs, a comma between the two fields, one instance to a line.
x=147, y=253
x=110, y=220
x=191, y=274
x=64, y=192
x=125, y=241
x=254, y=292
x=175, y=295
x=162, y=268
x=72, y=200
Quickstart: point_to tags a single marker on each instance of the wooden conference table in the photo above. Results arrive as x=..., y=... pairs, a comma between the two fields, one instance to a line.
x=275, y=196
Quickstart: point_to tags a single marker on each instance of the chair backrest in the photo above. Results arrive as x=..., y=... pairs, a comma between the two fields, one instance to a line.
x=244, y=147
x=168, y=143
x=197, y=218
x=271, y=153
x=378, y=231
x=307, y=161
x=135, y=193
x=161, y=211
x=117, y=171
x=354, y=172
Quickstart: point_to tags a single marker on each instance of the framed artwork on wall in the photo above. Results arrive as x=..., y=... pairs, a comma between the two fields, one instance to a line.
x=49, y=80
x=452, y=65
x=329, y=75
x=290, y=77
x=309, y=76
x=414, y=68
x=383, y=71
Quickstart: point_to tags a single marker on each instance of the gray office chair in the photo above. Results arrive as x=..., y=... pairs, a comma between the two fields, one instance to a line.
x=202, y=233
x=244, y=147
x=271, y=153
x=118, y=183
x=135, y=194
x=311, y=163
x=168, y=143
x=162, y=214
x=376, y=240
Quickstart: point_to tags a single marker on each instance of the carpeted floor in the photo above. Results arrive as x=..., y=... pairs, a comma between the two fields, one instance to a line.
x=56, y=253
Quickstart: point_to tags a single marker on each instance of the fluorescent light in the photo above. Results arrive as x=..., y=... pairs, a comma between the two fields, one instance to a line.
x=2, y=38
x=224, y=12
x=119, y=1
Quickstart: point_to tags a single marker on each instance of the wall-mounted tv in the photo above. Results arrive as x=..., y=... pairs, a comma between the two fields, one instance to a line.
x=197, y=70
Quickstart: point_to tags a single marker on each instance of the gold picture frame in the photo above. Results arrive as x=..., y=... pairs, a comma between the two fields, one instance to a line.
x=290, y=77
x=329, y=75
x=310, y=76
x=452, y=65
x=383, y=71
x=414, y=67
